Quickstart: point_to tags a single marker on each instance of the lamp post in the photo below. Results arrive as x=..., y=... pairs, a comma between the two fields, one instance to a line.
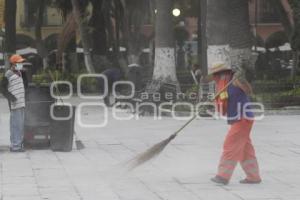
x=202, y=48
x=202, y=43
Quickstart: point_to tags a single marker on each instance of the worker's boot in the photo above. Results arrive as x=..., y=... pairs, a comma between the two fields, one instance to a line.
x=252, y=171
x=247, y=181
x=220, y=180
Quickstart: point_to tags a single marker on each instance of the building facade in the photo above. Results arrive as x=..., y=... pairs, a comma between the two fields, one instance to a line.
x=26, y=19
x=264, y=18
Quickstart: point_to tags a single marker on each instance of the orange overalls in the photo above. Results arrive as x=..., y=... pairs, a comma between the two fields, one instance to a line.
x=237, y=145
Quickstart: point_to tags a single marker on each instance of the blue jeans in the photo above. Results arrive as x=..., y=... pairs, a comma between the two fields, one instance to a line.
x=17, y=128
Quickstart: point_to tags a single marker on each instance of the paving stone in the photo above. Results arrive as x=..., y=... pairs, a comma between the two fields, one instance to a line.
x=23, y=189
x=181, y=172
x=22, y=198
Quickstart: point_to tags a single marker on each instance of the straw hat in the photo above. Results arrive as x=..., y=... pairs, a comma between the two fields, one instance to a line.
x=218, y=67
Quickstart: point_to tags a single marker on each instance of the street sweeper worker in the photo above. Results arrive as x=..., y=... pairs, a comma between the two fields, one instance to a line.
x=13, y=88
x=232, y=102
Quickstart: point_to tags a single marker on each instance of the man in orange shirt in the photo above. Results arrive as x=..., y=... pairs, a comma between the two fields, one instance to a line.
x=13, y=88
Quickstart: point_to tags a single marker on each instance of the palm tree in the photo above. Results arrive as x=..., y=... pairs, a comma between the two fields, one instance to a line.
x=229, y=34
x=66, y=42
x=290, y=19
x=164, y=67
x=98, y=34
x=111, y=23
x=38, y=31
x=84, y=36
x=10, y=29
x=98, y=30
x=240, y=35
x=135, y=16
x=284, y=10
x=67, y=36
x=112, y=15
x=73, y=13
x=217, y=31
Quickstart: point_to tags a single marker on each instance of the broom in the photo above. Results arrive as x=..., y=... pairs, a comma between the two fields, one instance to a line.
x=78, y=143
x=156, y=149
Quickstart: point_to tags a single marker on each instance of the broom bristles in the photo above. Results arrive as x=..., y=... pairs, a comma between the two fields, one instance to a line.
x=150, y=153
x=159, y=147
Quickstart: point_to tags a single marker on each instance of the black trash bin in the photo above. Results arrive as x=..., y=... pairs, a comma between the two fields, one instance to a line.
x=37, y=116
x=62, y=129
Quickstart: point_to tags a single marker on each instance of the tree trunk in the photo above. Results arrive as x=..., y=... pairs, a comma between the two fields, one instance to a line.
x=134, y=20
x=164, y=64
x=67, y=38
x=97, y=21
x=135, y=13
x=217, y=32
x=99, y=36
x=288, y=22
x=84, y=36
x=38, y=33
x=202, y=41
x=71, y=62
x=116, y=32
x=10, y=29
x=229, y=33
x=68, y=41
x=240, y=36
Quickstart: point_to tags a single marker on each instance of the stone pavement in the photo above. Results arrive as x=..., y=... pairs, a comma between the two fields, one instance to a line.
x=181, y=172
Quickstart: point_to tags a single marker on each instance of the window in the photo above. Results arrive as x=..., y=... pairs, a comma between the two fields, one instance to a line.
x=267, y=12
x=51, y=17
x=30, y=8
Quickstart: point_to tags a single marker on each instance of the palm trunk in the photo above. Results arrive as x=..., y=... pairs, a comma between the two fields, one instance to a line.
x=10, y=29
x=38, y=33
x=164, y=65
x=66, y=36
x=99, y=35
x=240, y=37
x=97, y=21
x=71, y=63
x=295, y=66
x=202, y=41
x=118, y=24
x=217, y=32
x=229, y=34
x=84, y=36
x=132, y=35
x=134, y=21
x=290, y=27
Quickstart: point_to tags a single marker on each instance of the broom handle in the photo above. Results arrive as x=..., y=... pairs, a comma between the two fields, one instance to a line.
x=185, y=125
x=195, y=116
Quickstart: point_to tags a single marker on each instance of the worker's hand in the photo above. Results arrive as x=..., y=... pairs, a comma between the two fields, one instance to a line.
x=206, y=79
x=12, y=98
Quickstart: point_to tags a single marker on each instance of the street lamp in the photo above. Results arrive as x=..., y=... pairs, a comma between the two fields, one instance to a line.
x=176, y=12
